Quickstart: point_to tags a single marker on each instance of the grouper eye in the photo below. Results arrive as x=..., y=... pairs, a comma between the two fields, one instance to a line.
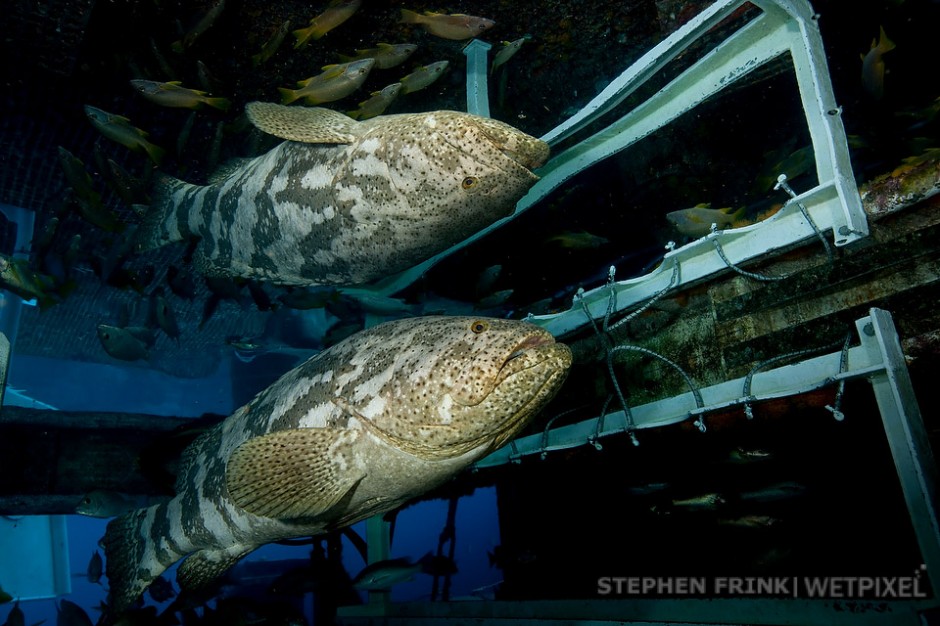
x=469, y=182
x=479, y=326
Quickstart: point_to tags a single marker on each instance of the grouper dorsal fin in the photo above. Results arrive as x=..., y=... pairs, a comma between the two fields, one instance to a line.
x=305, y=124
x=293, y=473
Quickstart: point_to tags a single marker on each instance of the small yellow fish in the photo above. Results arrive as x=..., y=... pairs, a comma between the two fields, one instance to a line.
x=88, y=200
x=697, y=221
x=338, y=12
x=423, y=76
x=336, y=81
x=202, y=25
x=118, y=128
x=377, y=104
x=911, y=163
x=386, y=55
x=271, y=45
x=18, y=278
x=795, y=164
x=505, y=53
x=873, y=66
x=457, y=26
x=173, y=94
x=581, y=240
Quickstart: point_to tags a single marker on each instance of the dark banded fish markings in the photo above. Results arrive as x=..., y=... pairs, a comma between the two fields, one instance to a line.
x=359, y=429
x=347, y=202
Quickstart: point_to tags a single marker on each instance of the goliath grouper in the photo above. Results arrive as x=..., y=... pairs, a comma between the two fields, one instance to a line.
x=357, y=430
x=347, y=202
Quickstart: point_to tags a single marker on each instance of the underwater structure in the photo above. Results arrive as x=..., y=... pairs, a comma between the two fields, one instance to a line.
x=747, y=432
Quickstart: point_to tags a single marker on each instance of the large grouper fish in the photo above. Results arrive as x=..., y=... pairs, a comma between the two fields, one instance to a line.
x=344, y=201
x=359, y=429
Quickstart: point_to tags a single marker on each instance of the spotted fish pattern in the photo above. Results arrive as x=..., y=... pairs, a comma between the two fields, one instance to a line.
x=374, y=421
x=345, y=201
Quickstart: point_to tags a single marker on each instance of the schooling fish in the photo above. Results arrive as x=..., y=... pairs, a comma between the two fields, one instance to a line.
x=457, y=26
x=377, y=104
x=174, y=95
x=347, y=202
x=17, y=277
x=383, y=575
x=357, y=430
x=127, y=344
x=580, y=240
x=873, y=66
x=119, y=129
x=697, y=221
x=423, y=76
x=335, y=82
x=87, y=199
x=204, y=23
x=386, y=55
x=271, y=45
x=507, y=51
x=338, y=12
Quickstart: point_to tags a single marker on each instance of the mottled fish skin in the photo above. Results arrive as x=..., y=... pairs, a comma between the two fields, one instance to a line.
x=401, y=407
x=386, y=194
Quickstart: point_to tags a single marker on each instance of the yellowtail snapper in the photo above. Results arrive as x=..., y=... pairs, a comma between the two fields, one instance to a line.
x=335, y=82
x=271, y=45
x=423, y=76
x=119, y=129
x=507, y=51
x=173, y=94
x=202, y=25
x=456, y=26
x=86, y=198
x=377, y=104
x=386, y=55
x=338, y=12
x=383, y=575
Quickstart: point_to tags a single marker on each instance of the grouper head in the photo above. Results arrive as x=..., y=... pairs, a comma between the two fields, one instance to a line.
x=439, y=387
x=454, y=171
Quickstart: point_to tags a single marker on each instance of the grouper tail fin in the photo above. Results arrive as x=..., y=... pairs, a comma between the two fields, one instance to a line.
x=132, y=561
x=167, y=219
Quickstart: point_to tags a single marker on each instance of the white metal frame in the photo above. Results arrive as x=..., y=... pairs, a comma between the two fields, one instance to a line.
x=878, y=359
x=785, y=26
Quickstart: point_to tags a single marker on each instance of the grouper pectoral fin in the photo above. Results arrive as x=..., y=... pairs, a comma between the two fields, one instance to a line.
x=304, y=124
x=296, y=473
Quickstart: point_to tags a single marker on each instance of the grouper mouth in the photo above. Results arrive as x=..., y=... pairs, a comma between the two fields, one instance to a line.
x=529, y=159
x=529, y=347
x=528, y=152
x=536, y=351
